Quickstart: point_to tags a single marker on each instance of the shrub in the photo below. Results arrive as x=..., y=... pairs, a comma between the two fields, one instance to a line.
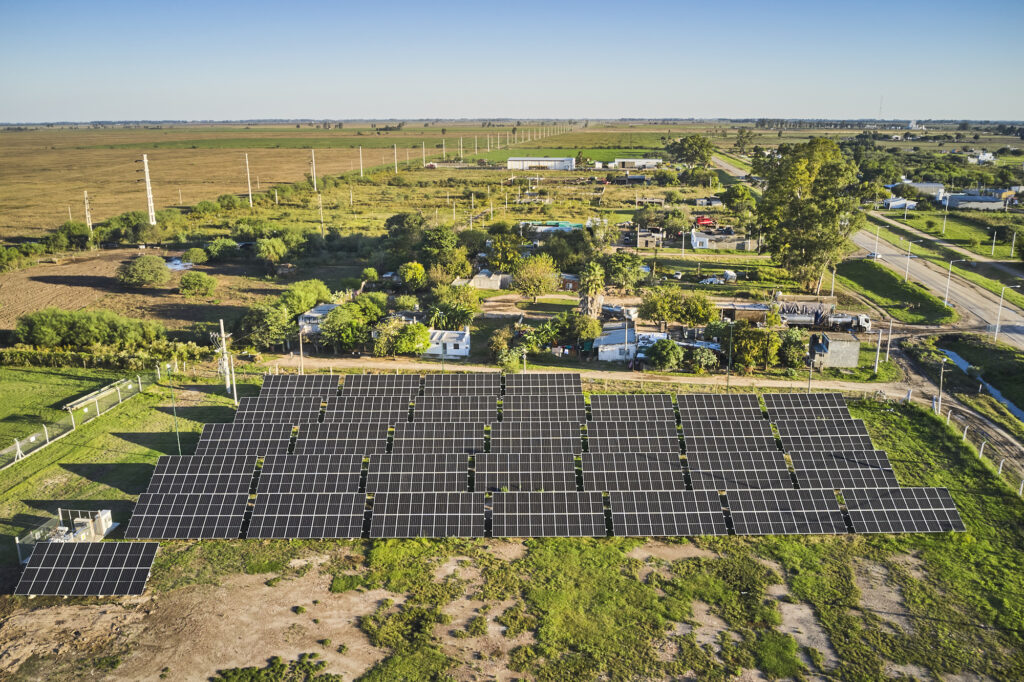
x=221, y=248
x=143, y=271
x=196, y=284
x=665, y=354
x=195, y=255
x=82, y=329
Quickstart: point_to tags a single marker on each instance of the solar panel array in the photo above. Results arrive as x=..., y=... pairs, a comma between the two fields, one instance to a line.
x=667, y=512
x=806, y=406
x=87, y=569
x=536, y=437
x=548, y=514
x=307, y=515
x=727, y=436
x=543, y=384
x=278, y=409
x=785, y=512
x=244, y=439
x=310, y=474
x=202, y=474
x=419, y=473
x=633, y=471
x=524, y=472
x=388, y=409
x=319, y=385
x=427, y=515
x=339, y=438
x=732, y=406
x=413, y=438
x=401, y=385
x=642, y=407
x=902, y=510
x=555, y=408
x=455, y=408
x=187, y=516
x=652, y=436
x=482, y=383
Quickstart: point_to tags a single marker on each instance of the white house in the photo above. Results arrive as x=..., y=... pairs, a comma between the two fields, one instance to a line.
x=541, y=163
x=448, y=344
x=983, y=157
x=699, y=240
x=485, y=279
x=620, y=345
x=899, y=202
x=310, y=320
x=635, y=163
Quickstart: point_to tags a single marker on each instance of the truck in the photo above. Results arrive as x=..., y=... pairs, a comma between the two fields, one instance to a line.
x=853, y=322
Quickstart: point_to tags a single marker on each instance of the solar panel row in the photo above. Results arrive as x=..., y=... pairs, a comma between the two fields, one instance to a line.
x=87, y=569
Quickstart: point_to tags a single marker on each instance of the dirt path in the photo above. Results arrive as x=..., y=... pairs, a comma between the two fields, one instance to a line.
x=728, y=167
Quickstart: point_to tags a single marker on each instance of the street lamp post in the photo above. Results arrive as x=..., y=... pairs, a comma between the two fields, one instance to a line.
x=999, y=314
x=910, y=246
x=945, y=300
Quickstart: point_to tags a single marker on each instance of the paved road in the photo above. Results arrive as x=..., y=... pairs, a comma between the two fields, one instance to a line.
x=728, y=167
x=969, y=299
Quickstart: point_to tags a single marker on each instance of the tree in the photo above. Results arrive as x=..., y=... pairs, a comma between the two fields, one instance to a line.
x=195, y=255
x=405, y=234
x=413, y=275
x=504, y=254
x=584, y=328
x=301, y=296
x=623, y=270
x=370, y=275
x=693, y=150
x=451, y=316
x=413, y=339
x=664, y=177
x=221, y=248
x=702, y=359
x=143, y=271
x=271, y=249
x=739, y=199
x=196, y=284
x=744, y=136
x=385, y=335
x=441, y=248
x=752, y=345
x=499, y=341
x=267, y=324
x=229, y=201
x=406, y=302
x=665, y=354
x=793, y=348
x=536, y=275
x=808, y=210
x=697, y=309
x=661, y=304
x=346, y=327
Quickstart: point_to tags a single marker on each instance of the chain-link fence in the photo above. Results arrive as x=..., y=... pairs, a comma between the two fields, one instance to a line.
x=78, y=412
x=1007, y=461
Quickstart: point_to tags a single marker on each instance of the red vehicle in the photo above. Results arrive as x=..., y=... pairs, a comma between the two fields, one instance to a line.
x=704, y=221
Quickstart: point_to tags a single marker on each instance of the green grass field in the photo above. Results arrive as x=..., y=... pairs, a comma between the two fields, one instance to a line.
x=965, y=229
x=31, y=396
x=904, y=301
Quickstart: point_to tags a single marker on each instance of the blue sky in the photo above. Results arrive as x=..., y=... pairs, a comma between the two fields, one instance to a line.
x=206, y=60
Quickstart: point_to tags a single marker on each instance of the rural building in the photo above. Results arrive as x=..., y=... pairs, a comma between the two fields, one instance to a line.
x=974, y=200
x=569, y=282
x=485, y=279
x=310, y=320
x=448, y=344
x=618, y=344
x=541, y=163
x=649, y=240
x=629, y=179
x=930, y=189
x=899, y=202
x=983, y=157
x=721, y=240
x=834, y=349
x=708, y=201
x=640, y=164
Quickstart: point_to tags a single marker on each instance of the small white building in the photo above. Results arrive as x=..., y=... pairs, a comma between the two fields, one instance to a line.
x=542, y=163
x=620, y=345
x=635, y=163
x=485, y=279
x=899, y=203
x=448, y=344
x=934, y=190
x=310, y=320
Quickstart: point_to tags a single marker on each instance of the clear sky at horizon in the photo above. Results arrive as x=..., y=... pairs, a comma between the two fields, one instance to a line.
x=192, y=60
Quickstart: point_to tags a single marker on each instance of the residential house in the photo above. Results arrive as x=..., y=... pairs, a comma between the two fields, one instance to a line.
x=448, y=344
x=541, y=163
x=621, y=344
x=485, y=279
x=309, y=321
x=639, y=164
x=894, y=203
x=569, y=282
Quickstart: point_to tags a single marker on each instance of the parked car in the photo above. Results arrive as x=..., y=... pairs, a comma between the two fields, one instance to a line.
x=677, y=275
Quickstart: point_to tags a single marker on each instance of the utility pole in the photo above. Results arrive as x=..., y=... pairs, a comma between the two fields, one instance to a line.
x=396, y=159
x=942, y=372
x=460, y=148
x=88, y=215
x=999, y=313
x=312, y=163
x=234, y=384
x=833, y=291
x=444, y=151
x=149, y=190
x=248, y=181
x=180, y=202
x=224, y=356
x=69, y=213
x=360, y=162
x=423, y=150
x=320, y=205
x=878, y=350
x=888, y=341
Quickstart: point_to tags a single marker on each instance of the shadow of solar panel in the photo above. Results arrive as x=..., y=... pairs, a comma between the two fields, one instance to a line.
x=338, y=438
x=87, y=569
x=741, y=479
x=739, y=460
x=422, y=472
x=427, y=515
x=642, y=407
x=244, y=439
x=547, y=514
x=187, y=516
x=536, y=437
x=441, y=438
x=632, y=471
x=902, y=510
x=455, y=408
x=666, y=513
x=307, y=516
x=652, y=436
x=278, y=410
x=524, y=472
x=174, y=474
x=534, y=408
x=367, y=408
x=785, y=512
x=481, y=384
x=806, y=406
x=310, y=474
x=318, y=385
x=544, y=384
x=400, y=385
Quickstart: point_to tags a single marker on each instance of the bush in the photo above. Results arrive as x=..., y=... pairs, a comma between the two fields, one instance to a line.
x=665, y=354
x=82, y=329
x=196, y=256
x=221, y=248
x=196, y=284
x=143, y=271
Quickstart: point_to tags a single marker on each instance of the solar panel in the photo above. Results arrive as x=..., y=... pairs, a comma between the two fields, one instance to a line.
x=455, y=408
x=736, y=461
x=388, y=409
x=632, y=471
x=652, y=436
x=536, y=437
x=728, y=428
x=187, y=516
x=781, y=512
x=846, y=478
x=553, y=408
x=416, y=438
x=547, y=514
x=244, y=439
x=481, y=383
x=902, y=510
x=725, y=444
x=821, y=427
x=418, y=473
x=663, y=513
x=427, y=515
x=715, y=403
x=632, y=407
x=697, y=414
x=741, y=479
x=401, y=385
x=355, y=438
x=310, y=474
x=824, y=443
x=307, y=515
x=282, y=409
x=845, y=459
x=204, y=475
x=806, y=406
x=87, y=569
x=318, y=385
x=546, y=384
x=518, y=472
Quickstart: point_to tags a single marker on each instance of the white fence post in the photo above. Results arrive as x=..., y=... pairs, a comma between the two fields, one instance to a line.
x=981, y=452
x=46, y=433
x=1001, y=465
x=966, y=426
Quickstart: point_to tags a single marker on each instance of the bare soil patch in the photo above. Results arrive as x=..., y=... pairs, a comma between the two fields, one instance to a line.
x=799, y=621
x=880, y=595
x=708, y=624
x=669, y=552
x=507, y=550
x=483, y=657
